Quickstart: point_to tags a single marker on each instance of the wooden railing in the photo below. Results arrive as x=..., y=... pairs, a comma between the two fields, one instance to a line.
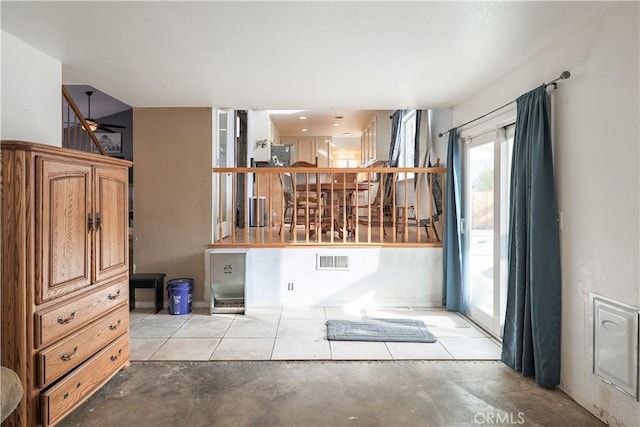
x=76, y=131
x=329, y=206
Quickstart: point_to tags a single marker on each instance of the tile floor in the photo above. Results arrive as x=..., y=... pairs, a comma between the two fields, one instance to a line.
x=297, y=334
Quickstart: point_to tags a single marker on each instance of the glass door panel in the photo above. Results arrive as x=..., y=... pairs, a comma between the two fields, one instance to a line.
x=481, y=227
x=488, y=176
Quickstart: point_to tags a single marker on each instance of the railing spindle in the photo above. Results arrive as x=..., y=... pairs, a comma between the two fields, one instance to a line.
x=369, y=208
x=417, y=212
x=429, y=223
x=270, y=222
x=234, y=186
x=381, y=192
x=220, y=207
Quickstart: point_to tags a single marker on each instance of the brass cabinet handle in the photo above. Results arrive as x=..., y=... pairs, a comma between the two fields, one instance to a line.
x=63, y=321
x=98, y=221
x=114, y=327
x=69, y=356
x=90, y=222
x=66, y=393
x=115, y=357
x=112, y=297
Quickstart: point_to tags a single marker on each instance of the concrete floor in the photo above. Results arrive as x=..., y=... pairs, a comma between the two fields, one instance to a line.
x=327, y=393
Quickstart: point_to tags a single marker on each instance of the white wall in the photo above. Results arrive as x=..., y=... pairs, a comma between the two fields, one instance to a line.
x=441, y=121
x=346, y=142
x=377, y=277
x=259, y=124
x=596, y=138
x=383, y=134
x=31, y=93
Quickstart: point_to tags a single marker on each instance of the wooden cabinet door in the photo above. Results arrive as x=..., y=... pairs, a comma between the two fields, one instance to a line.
x=63, y=238
x=305, y=151
x=112, y=226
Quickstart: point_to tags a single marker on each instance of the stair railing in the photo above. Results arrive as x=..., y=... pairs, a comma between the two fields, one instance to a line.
x=76, y=131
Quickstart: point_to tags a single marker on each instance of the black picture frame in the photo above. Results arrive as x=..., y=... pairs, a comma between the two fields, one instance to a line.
x=111, y=142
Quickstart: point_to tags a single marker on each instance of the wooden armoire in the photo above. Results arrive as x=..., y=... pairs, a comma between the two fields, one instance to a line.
x=65, y=316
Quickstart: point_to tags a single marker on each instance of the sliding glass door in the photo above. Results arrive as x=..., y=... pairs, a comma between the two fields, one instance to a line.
x=487, y=168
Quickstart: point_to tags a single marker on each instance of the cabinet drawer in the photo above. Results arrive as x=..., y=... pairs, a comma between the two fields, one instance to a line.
x=71, y=351
x=57, y=322
x=70, y=392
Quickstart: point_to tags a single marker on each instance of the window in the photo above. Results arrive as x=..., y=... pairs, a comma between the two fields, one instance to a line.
x=343, y=157
x=407, y=143
x=346, y=163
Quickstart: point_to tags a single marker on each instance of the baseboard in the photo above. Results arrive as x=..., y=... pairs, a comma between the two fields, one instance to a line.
x=151, y=304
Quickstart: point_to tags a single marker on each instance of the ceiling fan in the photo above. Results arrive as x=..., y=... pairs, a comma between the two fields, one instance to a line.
x=94, y=125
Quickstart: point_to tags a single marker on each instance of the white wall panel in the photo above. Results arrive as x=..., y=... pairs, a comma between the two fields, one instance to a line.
x=398, y=277
x=31, y=93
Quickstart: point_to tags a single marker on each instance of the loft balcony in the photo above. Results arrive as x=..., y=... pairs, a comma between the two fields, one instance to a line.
x=311, y=206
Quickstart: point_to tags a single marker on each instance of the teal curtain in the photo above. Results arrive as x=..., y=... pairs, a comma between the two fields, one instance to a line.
x=531, y=341
x=453, y=292
x=416, y=146
x=394, y=148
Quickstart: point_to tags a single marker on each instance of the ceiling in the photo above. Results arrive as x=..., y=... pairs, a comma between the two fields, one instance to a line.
x=330, y=56
x=102, y=104
x=334, y=123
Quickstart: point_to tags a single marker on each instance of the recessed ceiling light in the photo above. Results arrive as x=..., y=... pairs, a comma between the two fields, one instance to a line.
x=302, y=117
x=336, y=124
x=272, y=112
x=346, y=133
x=304, y=130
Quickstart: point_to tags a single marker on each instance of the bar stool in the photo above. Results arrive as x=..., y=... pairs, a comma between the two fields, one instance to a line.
x=147, y=280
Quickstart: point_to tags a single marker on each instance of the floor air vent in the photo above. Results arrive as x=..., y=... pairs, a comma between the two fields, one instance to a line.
x=332, y=262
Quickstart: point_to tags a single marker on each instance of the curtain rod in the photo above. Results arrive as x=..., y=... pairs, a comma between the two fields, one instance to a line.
x=564, y=75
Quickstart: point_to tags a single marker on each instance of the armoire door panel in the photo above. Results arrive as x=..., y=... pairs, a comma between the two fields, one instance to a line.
x=63, y=241
x=111, y=223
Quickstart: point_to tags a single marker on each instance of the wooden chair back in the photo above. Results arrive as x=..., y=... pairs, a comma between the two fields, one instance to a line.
x=303, y=164
x=287, y=189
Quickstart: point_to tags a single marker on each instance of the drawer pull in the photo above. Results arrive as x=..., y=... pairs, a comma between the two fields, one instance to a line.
x=67, y=357
x=78, y=385
x=114, y=327
x=66, y=394
x=63, y=321
x=115, y=357
x=112, y=297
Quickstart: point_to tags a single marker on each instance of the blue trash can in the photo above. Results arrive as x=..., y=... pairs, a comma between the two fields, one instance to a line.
x=180, y=293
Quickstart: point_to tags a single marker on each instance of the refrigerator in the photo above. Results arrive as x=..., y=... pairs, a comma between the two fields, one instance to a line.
x=282, y=155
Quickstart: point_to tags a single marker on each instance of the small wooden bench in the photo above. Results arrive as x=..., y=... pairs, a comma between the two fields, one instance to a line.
x=150, y=281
